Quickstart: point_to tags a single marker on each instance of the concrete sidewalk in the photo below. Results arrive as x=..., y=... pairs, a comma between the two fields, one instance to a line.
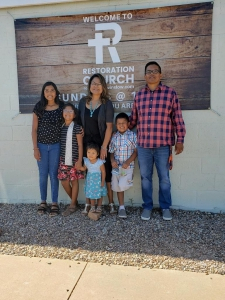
x=24, y=278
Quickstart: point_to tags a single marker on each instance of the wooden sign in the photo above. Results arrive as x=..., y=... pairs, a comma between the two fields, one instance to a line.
x=69, y=49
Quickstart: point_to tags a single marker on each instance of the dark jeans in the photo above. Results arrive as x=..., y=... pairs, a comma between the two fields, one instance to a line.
x=146, y=158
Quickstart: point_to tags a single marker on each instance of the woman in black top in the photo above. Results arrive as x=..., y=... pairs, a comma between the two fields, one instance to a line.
x=97, y=113
x=47, y=122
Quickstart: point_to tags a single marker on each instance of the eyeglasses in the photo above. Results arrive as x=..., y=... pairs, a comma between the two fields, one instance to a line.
x=152, y=72
x=95, y=83
x=68, y=111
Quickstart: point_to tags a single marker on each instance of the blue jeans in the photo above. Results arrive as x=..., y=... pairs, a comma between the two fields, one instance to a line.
x=48, y=165
x=146, y=158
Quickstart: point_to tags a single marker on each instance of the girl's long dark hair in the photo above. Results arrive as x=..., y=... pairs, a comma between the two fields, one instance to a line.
x=43, y=102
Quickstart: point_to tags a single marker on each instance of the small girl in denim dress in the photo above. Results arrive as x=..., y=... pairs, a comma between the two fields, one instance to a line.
x=95, y=187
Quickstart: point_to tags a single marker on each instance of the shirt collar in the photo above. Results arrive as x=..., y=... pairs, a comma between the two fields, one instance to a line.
x=159, y=87
x=125, y=133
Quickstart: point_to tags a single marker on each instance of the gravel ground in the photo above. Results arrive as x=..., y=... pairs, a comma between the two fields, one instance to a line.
x=192, y=241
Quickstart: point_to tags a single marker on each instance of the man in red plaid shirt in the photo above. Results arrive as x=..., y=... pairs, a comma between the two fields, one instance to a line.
x=157, y=114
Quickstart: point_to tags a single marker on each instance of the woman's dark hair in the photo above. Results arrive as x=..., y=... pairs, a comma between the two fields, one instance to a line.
x=43, y=102
x=93, y=146
x=105, y=93
x=73, y=108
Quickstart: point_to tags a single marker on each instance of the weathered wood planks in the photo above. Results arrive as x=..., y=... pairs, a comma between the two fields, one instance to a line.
x=177, y=37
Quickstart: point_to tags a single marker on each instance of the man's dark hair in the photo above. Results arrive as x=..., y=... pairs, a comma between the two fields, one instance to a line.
x=122, y=115
x=153, y=63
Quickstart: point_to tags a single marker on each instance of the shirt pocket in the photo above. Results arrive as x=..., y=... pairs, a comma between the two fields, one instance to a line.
x=127, y=144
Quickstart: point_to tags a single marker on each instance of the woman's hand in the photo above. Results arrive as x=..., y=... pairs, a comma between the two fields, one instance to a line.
x=82, y=132
x=103, y=153
x=37, y=154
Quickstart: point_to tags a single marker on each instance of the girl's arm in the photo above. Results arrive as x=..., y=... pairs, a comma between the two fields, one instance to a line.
x=78, y=164
x=108, y=134
x=83, y=168
x=37, y=154
x=102, y=168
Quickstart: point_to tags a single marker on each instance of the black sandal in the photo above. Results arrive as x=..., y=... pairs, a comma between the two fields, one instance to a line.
x=54, y=210
x=42, y=208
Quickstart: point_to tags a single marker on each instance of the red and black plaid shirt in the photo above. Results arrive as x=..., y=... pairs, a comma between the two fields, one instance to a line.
x=158, y=117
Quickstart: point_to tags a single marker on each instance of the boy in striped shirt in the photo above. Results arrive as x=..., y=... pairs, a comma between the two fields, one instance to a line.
x=123, y=153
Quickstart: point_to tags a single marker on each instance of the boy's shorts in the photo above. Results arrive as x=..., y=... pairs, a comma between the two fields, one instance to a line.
x=121, y=183
x=69, y=173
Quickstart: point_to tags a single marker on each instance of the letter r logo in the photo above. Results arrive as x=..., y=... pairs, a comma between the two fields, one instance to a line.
x=99, y=42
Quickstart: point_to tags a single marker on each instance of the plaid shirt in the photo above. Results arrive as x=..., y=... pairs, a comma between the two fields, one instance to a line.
x=158, y=116
x=123, y=146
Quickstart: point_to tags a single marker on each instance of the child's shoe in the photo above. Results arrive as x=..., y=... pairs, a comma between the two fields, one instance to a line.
x=92, y=209
x=99, y=209
x=122, y=213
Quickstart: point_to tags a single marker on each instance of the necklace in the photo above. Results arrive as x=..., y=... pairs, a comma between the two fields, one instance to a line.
x=93, y=109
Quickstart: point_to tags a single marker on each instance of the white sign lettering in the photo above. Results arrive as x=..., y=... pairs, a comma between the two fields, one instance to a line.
x=99, y=42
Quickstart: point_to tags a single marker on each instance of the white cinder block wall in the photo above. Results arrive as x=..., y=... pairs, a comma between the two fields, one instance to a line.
x=198, y=176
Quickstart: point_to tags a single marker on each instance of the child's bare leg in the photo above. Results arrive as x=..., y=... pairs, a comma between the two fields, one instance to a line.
x=92, y=205
x=67, y=187
x=74, y=194
x=92, y=202
x=99, y=202
x=120, y=196
x=99, y=205
x=122, y=211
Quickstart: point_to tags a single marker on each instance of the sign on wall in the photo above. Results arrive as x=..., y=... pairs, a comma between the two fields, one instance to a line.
x=69, y=49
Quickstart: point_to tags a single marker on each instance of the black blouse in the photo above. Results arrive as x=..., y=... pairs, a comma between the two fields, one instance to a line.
x=92, y=134
x=49, y=126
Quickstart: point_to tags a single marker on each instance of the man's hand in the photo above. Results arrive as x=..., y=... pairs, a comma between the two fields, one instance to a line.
x=179, y=147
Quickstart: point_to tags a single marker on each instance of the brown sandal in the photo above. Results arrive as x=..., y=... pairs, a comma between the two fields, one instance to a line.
x=69, y=211
x=42, y=208
x=54, y=210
